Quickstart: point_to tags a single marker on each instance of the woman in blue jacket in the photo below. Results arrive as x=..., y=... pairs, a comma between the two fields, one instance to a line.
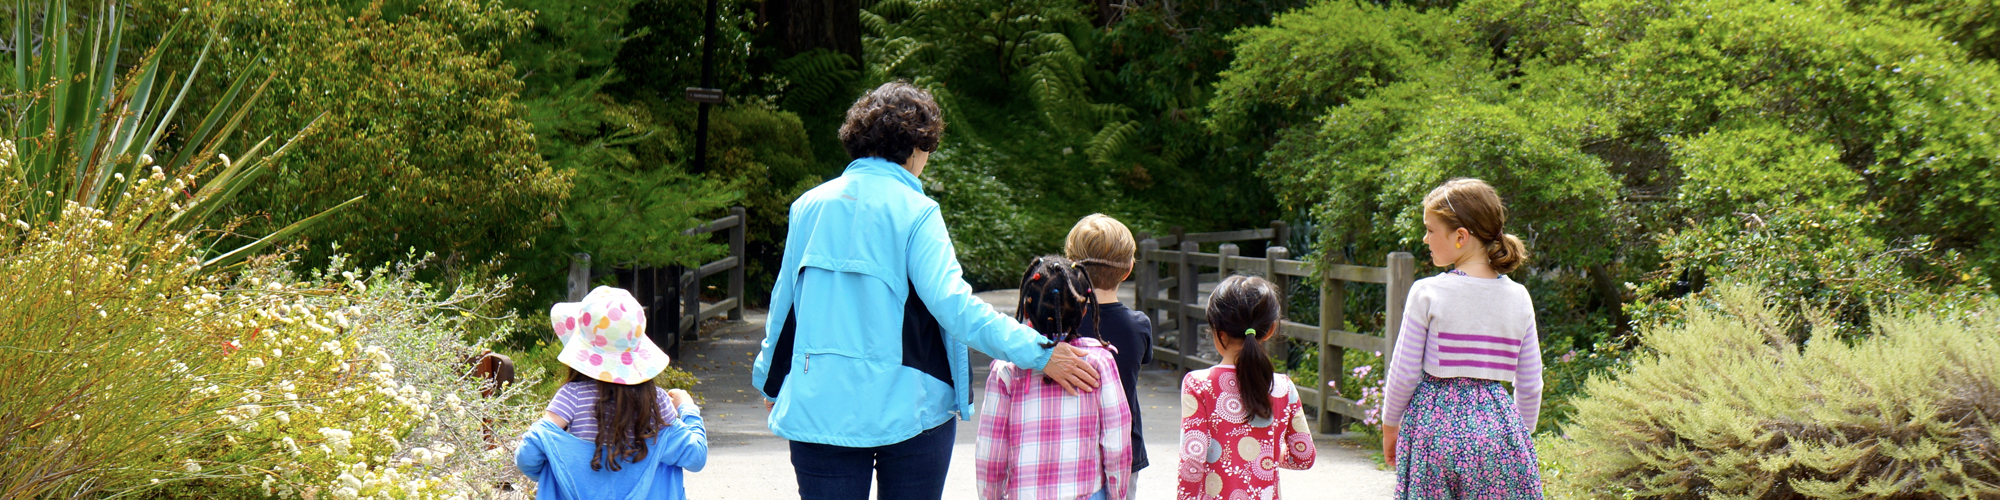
x=864, y=357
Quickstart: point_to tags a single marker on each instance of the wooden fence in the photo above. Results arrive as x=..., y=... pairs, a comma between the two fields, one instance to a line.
x=1175, y=302
x=686, y=295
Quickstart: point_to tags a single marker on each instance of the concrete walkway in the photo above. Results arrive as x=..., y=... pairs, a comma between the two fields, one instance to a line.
x=746, y=461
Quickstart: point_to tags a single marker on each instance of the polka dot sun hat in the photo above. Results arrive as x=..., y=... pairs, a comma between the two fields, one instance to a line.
x=604, y=336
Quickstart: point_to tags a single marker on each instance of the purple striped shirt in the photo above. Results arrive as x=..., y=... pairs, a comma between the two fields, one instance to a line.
x=576, y=402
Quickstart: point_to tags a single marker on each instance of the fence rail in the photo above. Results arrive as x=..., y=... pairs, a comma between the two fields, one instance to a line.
x=685, y=297
x=694, y=313
x=1178, y=309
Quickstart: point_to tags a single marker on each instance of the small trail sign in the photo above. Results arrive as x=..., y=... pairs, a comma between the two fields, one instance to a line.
x=705, y=96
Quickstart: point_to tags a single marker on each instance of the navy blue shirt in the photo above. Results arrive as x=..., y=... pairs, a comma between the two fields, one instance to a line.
x=1132, y=333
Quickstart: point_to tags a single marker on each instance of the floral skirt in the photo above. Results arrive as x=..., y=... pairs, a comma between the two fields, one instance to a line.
x=1463, y=439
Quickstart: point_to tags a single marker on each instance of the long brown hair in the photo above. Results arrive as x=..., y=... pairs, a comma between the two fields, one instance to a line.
x=1241, y=303
x=627, y=416
x=1474, y=205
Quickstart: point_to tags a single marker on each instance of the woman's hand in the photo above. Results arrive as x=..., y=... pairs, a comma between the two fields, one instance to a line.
x=1067, y=368
x=1389, y=443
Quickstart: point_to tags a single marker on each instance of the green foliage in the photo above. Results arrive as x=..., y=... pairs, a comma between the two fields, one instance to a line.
x=1324, y=56
x=1819, y=260
x=1727, y=405
x=989, y=231
x=1971, y=24
x=1761, y=164
x=420, y=115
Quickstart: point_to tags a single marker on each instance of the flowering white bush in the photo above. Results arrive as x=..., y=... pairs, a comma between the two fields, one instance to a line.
x=360, y=388
x=129, y=363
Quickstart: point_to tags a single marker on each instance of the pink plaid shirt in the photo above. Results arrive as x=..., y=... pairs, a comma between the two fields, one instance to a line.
x=1038, y=442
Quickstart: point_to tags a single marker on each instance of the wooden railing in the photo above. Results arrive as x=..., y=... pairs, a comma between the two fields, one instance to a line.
x=694, y=313
x=1176, y=304
x=645, y=282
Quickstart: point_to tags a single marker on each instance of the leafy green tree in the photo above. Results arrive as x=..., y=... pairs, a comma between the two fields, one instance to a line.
x=420, y=115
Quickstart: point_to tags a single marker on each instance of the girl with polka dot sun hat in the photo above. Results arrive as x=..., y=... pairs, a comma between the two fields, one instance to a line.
x=609, y=432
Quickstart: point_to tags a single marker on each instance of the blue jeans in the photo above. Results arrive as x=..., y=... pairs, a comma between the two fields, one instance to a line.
x=912, y=469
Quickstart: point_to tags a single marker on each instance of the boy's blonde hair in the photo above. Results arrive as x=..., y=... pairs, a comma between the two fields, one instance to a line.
x=1103, y=246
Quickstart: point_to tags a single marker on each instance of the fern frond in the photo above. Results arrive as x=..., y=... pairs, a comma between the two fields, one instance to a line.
x=1110, y=140
x=817, y=75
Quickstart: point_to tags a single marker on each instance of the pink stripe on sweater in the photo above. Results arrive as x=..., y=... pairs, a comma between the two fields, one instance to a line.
x=1479, y=338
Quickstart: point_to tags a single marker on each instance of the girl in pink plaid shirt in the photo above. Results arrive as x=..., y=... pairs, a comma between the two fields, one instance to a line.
x=1036, y=440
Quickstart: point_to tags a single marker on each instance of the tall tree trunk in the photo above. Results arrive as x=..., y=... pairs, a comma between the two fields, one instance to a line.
x=803, y=25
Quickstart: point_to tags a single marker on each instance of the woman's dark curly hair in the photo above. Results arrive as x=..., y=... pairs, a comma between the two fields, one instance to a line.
x=891, y=121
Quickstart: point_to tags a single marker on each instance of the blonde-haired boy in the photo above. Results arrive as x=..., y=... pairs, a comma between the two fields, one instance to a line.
x=1104, y=247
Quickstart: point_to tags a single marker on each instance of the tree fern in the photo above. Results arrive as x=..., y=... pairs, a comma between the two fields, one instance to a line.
x=818, y=75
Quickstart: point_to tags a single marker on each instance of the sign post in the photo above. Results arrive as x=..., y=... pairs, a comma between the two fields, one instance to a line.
x=708, y=95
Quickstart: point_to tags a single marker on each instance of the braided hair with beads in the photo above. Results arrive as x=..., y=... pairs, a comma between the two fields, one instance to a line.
x=1055, y=294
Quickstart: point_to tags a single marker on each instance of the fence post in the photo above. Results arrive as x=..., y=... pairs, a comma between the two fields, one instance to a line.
x=1147, y=273
x=579, y=276
x=1271, y=257
x=1222, y=271
x=1222, y=262
x=1332, y=318
x=691, y=304
x=736, y=271
x=1188, y=282
x=1402, y=272
x=1281, y=234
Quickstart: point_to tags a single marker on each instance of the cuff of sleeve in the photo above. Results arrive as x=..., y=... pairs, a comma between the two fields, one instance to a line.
x=689, y=410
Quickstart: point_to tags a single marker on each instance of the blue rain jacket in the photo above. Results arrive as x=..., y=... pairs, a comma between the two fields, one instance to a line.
x=559, y=463
x=870, y=316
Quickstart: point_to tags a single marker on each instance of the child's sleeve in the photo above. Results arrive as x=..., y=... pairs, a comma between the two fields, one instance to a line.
x=1115, y=428
x=1406, y=366
x=1194, y=438
x=1145, y=329
x=1296, y=437
x=563, y=405
x=685, y=442
x=995, y=450
x=529, y=457
x=1528, y=380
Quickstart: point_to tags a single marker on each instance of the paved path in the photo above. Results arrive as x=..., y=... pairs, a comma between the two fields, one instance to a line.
x=745, y=461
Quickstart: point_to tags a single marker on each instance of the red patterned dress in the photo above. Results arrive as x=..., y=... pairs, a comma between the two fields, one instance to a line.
x=1228, y=455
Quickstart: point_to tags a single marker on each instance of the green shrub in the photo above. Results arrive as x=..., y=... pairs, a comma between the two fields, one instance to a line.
x=1728, y=405
x=420, y=114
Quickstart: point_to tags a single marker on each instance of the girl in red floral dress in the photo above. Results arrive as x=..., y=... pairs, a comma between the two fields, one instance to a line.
x=1240, y=421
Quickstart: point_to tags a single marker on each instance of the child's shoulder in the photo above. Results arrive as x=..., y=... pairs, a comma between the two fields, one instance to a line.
x=1198, y=381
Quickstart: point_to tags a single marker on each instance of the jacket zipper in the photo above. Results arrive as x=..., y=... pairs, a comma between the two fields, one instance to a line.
x=807, y=365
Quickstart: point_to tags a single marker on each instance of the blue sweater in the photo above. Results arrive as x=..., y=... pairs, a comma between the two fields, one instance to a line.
x=560, y=463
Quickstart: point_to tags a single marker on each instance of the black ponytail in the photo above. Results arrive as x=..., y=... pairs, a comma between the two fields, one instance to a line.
x=1239, y=305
